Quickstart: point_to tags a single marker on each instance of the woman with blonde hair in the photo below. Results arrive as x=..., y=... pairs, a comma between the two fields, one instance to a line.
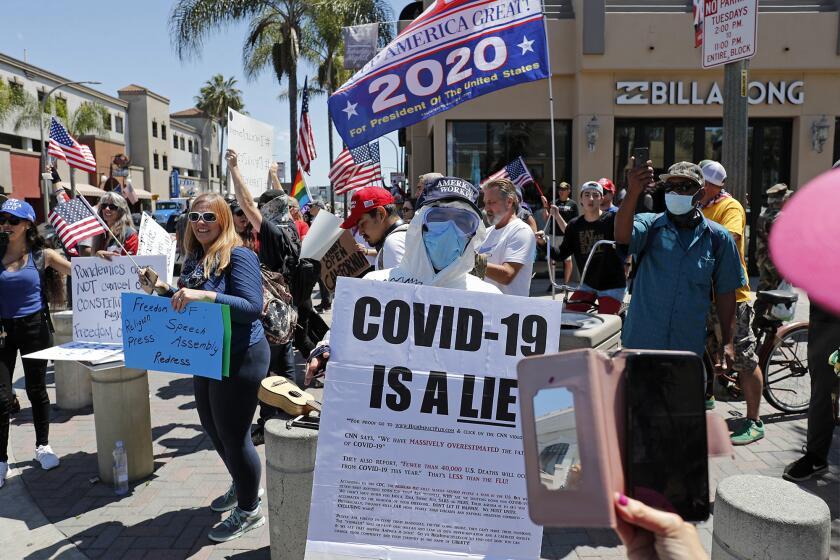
x=114, y=211
x=218, y=269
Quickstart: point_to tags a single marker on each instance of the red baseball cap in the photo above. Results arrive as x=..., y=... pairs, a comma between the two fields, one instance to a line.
x=607, y=184
x=363, y=201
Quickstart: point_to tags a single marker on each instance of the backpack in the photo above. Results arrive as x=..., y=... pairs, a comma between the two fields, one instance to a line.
x=279, y=316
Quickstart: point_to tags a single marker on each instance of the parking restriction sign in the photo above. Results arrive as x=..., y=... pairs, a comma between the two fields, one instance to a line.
x=729, y=31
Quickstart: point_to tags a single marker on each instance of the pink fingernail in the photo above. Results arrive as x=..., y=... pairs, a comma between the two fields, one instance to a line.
x=622, y=500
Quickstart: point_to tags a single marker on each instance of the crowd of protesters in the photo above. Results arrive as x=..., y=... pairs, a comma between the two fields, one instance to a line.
x=667, y=253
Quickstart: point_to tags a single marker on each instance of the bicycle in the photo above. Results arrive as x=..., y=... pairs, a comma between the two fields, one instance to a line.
x=782, y=356
x=567, y=290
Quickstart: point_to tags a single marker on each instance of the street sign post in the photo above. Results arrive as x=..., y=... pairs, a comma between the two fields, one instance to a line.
x=729, y=31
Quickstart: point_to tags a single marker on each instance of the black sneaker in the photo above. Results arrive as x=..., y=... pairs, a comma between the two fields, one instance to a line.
x=803, y=469
x=320, y=308
x=258, y=435
x=15, y=406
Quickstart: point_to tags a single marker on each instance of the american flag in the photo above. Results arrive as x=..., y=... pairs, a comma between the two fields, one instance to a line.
x=306, y=141
x=356, y=168
x=516, y=171
x=63, y=146
x=75, y=221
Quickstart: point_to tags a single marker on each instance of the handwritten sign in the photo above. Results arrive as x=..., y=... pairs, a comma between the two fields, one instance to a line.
x=97, y=285
x=253, y=141
x=156, y=337
x=154, y=240
x=342, y=259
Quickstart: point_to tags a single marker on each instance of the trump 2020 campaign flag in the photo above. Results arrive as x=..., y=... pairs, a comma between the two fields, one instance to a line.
x=455, y=51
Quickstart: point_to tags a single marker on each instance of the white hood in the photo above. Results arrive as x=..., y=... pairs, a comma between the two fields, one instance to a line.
x=416, y=268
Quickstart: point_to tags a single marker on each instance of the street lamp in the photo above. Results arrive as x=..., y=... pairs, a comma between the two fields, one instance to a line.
x=43, y=149
x=396, y=150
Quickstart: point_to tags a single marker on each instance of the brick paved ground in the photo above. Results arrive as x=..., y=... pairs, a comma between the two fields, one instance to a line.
x=63, y=514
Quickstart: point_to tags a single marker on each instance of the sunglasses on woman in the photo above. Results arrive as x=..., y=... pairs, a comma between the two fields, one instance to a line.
x=206, y=216
x=111, y=207
x=11, y=220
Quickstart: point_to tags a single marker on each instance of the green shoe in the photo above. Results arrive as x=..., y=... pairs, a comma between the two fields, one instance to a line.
x=710, y=402
x=748, y=432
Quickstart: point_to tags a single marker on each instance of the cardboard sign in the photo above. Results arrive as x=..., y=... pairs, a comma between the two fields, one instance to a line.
x=154, y=240
x=253, y=141
x=194, y=342
x=97, y=285
x=420, y=453
x=342, y=259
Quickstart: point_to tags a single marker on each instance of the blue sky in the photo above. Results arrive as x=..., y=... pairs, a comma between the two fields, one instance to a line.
x=123, y=42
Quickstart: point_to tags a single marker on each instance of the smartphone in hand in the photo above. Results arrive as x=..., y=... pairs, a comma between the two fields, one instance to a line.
x=640, y=156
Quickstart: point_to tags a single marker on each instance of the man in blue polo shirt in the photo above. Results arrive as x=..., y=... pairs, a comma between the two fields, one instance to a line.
x=681, y=258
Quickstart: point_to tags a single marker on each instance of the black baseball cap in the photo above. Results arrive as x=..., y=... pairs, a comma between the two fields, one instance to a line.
x=449, y=188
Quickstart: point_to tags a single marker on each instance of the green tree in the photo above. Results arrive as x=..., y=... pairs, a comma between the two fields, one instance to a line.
x=11, y=99
x=214, y=98
x=274, y=40
x=323, y=42
x=87, y=118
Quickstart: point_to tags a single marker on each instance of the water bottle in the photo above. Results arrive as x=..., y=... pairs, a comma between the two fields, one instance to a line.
x=120, y=469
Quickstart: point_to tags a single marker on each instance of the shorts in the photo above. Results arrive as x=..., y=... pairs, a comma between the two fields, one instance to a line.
x=745, y=343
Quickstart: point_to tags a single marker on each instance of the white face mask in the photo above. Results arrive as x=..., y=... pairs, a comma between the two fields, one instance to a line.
x=679, y=204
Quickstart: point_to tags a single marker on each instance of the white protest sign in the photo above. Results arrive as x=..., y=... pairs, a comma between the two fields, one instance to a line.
x=323, y=233
x=97, y=288
x=419, y=451
x=80, y=352
x=253, y=142
x=154, y=240
x=729, y=31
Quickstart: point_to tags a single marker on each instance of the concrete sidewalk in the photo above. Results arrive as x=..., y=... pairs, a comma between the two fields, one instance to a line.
x=64, y=514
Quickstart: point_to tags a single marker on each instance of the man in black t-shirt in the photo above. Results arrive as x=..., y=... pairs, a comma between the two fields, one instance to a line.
x=605, y=280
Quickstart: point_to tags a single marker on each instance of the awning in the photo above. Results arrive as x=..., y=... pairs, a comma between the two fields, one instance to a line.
x=144, y=194
x=84, y=189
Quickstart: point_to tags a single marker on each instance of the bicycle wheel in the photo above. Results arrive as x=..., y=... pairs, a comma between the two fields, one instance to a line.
x=787, y=383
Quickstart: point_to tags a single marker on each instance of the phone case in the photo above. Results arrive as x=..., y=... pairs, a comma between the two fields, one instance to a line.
x=597, y=384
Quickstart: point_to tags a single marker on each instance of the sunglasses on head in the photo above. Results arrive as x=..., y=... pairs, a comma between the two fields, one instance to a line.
x=239, y=212
x=681, y=187
x=111, y=207
x=11, y=220
x=206, y=216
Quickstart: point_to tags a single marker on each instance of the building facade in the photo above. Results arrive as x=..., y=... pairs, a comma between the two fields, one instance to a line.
x=205, y=133
x=626, y=75
x=20, y=146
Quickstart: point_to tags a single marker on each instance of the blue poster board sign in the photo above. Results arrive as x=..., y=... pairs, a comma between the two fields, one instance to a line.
x=194, y=342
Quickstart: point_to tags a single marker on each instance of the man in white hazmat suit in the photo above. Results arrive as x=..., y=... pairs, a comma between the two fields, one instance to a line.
x=440, y=248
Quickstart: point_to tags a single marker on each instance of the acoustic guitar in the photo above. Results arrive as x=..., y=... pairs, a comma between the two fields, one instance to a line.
x=282, y=393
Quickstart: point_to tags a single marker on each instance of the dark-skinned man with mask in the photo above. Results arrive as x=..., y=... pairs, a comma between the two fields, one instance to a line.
x=680, y=258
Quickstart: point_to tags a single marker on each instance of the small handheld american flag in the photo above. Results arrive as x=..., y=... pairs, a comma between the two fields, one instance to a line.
x=516, y=171
x=75, y=221
x=63, y=146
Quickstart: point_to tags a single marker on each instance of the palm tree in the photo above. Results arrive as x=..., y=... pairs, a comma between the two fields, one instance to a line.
x=273, y=39
x=323, y=42
x=87, y=118
x=214, y=98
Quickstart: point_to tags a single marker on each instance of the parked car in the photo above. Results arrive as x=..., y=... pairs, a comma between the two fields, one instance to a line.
x=164, y=209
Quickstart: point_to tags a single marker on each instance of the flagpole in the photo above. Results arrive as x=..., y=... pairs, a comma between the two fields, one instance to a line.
x=553, y=148
x=104, y=225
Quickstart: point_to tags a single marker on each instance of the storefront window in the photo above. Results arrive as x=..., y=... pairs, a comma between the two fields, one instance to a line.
x=476, y=149
x=683, y=143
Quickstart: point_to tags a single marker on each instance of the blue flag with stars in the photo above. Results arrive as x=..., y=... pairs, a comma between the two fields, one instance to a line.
x=455, y=51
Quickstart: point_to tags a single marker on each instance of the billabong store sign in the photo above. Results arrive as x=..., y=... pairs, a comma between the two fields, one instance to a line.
x=692, y=93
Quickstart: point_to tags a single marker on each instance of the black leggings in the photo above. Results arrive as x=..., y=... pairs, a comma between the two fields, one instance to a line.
x=27, y=334
x=226, y=409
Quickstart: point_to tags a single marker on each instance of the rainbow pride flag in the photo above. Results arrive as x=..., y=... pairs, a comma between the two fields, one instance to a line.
x=301, y=192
